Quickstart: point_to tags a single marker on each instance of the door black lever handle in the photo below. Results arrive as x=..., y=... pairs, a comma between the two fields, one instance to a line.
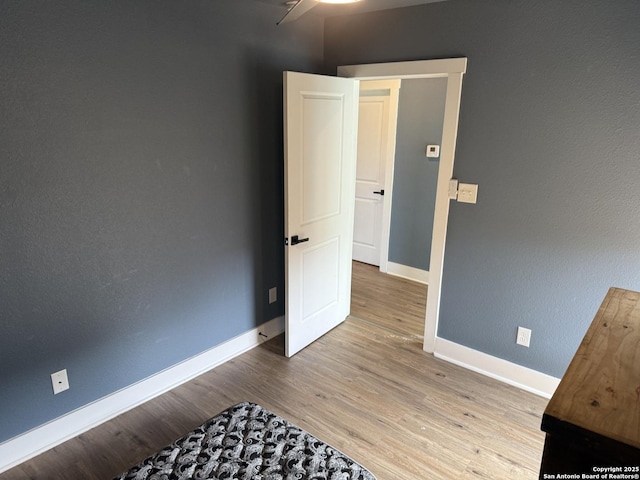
x=295, y=240
x=381, y=192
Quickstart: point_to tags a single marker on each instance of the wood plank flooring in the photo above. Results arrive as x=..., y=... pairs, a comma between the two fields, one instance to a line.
x=365, y=389
x=391, y=302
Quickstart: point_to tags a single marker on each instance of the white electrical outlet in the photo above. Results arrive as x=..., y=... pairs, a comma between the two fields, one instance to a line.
x=524, y=336
x=273, y=295
x=60, y=381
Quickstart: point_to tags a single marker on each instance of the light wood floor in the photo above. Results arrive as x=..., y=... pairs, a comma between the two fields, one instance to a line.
x=391, y=302
x=365, y=389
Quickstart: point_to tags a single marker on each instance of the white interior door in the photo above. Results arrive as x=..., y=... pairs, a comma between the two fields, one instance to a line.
x=320, y=129
x=377, y=119
x=367, y=227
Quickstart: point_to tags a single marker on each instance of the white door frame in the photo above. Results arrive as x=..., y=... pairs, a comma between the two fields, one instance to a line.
x=392, y=90
x=453, y=69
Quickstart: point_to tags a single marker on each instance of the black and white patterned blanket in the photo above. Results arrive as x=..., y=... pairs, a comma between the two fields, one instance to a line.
x=247, y=442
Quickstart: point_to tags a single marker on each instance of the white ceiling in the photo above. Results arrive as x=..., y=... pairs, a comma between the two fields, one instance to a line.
x=326, y=10
x=367, y=6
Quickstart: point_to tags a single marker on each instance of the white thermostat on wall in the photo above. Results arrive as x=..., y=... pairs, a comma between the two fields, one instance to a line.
x=433, y=151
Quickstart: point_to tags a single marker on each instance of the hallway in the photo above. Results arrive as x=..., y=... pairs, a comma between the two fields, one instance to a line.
x=391, y=302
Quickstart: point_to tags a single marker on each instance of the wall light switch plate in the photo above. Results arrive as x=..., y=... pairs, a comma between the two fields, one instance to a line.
x=453, y=189
x=433, y=151
x=467, y=193
x=273, y=295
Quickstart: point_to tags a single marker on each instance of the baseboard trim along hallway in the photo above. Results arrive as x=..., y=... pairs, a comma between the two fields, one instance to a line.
x=410, y=273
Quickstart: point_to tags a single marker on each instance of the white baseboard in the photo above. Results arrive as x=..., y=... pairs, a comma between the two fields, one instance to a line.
x=524, y=378
x=410, y=273
x=42, y=438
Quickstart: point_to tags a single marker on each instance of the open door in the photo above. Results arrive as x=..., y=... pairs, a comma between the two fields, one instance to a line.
x=320, y=130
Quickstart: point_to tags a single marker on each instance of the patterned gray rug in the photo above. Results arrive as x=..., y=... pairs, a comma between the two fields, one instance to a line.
x=247, y=442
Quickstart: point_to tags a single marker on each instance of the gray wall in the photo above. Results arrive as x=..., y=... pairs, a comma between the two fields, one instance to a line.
x=420, y=116
x=140, y=188
x=550, y=130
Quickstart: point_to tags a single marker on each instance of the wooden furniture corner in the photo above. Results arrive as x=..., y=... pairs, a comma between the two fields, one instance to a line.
x=593, y=419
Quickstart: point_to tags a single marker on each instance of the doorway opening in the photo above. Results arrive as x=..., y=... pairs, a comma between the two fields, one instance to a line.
x=453, y=70
x=320, y=161
x=397, y=121
x=395, y=304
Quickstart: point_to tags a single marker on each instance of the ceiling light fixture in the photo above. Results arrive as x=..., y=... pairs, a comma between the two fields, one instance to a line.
x=300, y=7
